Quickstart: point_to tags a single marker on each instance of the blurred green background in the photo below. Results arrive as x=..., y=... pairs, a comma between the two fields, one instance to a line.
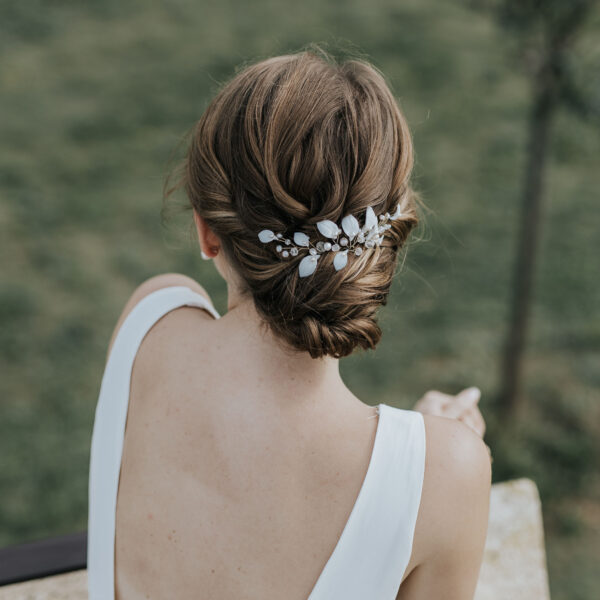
x=95, y=98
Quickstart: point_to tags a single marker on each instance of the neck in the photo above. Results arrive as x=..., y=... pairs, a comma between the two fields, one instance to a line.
x=271, y=359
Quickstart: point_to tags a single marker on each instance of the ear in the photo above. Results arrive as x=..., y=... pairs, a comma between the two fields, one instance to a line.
x=209, y=242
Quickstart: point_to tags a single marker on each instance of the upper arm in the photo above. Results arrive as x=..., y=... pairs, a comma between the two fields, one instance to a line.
x=453, y=516
x=152, y=285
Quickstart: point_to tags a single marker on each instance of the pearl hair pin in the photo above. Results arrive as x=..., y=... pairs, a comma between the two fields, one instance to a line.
x=353, y=239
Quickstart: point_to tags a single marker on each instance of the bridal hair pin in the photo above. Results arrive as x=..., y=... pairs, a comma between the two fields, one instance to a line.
x=355, y=239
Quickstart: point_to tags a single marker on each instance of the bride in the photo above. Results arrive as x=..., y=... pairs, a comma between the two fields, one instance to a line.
x=229, y=460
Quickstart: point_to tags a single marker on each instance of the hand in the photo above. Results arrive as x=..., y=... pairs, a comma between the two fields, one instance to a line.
x=463, y=407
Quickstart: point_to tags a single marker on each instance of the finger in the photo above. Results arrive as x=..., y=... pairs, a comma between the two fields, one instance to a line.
x=463, y=402
x=431, y=405
x=480, y=421
x=433, y=402
x=469, y=396
x=437, y=396
x=475, y=414
x=469, y=420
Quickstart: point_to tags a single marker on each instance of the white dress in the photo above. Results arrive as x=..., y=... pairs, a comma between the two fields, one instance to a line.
x=374, y=549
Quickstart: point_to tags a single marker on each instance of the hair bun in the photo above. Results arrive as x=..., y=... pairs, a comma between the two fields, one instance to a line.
x=336, y=339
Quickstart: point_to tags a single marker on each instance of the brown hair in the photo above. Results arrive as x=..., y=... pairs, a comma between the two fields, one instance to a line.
x=290, y=141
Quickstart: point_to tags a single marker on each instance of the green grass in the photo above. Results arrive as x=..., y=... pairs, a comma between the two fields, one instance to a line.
x=95, y=99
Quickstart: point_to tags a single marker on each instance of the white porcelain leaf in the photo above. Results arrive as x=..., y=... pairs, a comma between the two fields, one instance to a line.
x=370, y=219
x=266, y=235
x=301, y=239
x=308, y=265
x=328, y=228
x=397, y=213
x=350, y=226
x=372, y=234
x=340, y=260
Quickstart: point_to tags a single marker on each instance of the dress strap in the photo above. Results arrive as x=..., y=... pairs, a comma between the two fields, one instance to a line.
x=109, y=429
x=374, y=549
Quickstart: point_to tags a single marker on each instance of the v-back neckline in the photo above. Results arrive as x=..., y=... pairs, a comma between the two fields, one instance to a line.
x=356, y=506
x=374, y=546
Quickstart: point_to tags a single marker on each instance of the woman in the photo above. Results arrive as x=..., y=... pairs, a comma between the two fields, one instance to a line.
x=247, y=468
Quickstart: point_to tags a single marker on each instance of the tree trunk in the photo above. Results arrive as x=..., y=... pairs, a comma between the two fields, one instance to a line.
x=544, y=104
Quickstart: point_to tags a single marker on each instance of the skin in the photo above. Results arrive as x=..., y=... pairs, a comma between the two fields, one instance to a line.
x=242, y=491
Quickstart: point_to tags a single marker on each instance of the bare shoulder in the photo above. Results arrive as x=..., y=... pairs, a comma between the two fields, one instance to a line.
x=154, y=284
x=453, y=515
x=457, y=478
x=456, y=454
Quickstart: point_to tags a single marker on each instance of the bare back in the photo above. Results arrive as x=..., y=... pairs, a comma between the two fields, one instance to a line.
x=225, y=515
x=243, y=490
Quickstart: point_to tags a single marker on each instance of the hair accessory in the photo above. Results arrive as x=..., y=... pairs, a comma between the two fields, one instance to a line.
x=355, y=239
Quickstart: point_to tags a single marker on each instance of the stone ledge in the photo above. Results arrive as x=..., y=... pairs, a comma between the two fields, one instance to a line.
x=514, y=561
x=69, y=586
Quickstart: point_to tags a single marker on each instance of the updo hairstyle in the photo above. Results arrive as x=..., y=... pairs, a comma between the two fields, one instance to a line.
x=287, y=142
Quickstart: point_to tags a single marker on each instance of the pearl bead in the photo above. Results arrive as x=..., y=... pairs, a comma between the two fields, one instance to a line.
x=344, y=242
x=335, y=247
x=313, y=251
x=294, y=251
x=287, y=242
x=278, y=247
x=358, y=251
x=327, y=246
x=285, y=253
